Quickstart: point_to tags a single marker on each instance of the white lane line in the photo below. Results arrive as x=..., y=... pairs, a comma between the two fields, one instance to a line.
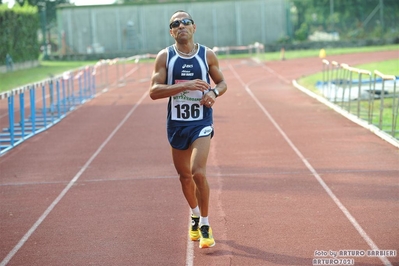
x=190, y=247
x=71, y=183
x=352, y=220
x=221, y=215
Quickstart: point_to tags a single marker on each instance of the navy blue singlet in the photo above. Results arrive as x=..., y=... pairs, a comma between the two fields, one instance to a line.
x=184, y=108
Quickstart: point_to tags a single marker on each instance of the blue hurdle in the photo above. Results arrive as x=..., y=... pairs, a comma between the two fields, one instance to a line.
x=48, y=102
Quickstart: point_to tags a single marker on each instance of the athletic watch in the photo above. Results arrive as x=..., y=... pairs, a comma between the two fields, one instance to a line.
x=215, y=91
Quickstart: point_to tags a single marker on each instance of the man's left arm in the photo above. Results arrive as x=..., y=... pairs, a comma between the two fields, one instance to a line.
x=215, y=73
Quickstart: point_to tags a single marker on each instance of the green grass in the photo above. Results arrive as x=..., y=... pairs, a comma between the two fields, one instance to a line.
x=45, y=70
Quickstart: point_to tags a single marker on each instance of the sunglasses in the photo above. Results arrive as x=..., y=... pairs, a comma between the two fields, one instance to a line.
x=185, y=22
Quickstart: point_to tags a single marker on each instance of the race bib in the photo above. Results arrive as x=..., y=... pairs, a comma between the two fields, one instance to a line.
x=186, y=107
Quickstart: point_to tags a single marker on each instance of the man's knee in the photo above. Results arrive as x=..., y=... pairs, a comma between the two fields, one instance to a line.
x=185, y=178
x=199, y=177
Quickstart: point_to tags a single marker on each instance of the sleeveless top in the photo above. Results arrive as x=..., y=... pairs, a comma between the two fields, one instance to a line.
x=184, y=108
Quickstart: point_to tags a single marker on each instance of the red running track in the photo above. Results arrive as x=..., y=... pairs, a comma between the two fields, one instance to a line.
x=289, y=177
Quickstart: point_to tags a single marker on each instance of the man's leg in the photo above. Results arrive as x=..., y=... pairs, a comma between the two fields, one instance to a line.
x=199, y=157
x=182, y=162
x=190, y=164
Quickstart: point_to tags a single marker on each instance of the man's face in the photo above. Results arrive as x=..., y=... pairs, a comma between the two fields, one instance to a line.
x=182, y=33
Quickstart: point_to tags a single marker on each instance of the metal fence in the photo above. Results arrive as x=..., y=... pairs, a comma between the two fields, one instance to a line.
x=372, y=97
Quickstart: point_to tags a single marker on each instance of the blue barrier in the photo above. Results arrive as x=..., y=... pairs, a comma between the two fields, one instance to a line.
x=49, y=102
x=44, y=104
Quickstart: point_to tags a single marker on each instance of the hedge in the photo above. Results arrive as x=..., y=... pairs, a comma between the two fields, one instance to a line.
x=18, y=35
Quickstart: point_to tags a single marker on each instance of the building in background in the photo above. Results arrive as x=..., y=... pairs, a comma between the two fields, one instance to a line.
x=125, y=30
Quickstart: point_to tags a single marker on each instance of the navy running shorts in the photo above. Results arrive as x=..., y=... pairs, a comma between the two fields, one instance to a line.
x=182, y=137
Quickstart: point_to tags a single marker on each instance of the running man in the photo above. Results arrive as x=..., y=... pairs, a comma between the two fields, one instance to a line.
x=182, y=73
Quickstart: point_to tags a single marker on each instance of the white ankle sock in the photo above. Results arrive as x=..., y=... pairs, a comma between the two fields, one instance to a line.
x=203, y=221
x=196, y=212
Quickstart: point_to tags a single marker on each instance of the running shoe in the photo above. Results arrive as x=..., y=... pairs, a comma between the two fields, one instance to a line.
x=194, y=230
x=206, y=239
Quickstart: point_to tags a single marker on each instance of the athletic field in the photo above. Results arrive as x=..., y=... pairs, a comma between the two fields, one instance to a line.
x=292, y=181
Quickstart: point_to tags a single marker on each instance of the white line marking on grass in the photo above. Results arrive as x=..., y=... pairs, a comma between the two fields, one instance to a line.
x=66, y=189
x=352, y=220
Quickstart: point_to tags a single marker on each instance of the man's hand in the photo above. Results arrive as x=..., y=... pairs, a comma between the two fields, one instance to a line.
x=196, y=84
x=208, y=99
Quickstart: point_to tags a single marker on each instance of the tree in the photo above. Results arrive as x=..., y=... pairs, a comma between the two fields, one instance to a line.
x=351, y=19
x=49, y=5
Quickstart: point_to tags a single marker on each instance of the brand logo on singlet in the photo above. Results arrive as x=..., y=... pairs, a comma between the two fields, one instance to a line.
x=187, y=66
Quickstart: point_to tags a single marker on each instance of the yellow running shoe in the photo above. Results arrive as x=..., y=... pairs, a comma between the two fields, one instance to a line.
x=206, y=240
x=194, y=230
